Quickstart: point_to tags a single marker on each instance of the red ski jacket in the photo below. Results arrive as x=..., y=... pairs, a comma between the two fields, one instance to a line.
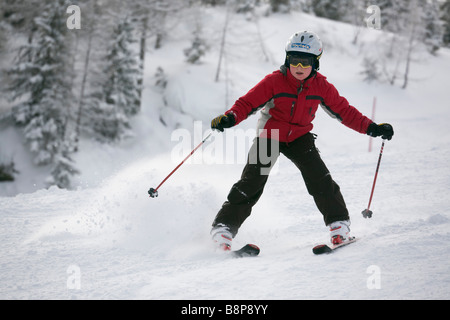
x=289, y=105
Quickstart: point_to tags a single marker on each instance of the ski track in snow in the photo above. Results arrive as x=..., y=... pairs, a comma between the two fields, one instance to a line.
x=129, y=246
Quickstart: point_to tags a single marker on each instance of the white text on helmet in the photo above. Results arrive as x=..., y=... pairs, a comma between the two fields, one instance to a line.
x=301, y=45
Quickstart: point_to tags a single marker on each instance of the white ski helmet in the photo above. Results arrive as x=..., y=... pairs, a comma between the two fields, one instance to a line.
x=305, y=42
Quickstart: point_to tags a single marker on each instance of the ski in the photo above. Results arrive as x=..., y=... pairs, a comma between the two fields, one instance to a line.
x=323, y=248
x=249, y=250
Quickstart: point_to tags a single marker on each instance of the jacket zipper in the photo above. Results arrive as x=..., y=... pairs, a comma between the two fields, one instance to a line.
x=299, y=90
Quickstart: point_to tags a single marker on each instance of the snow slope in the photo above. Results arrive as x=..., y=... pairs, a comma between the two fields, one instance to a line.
x=109, y=240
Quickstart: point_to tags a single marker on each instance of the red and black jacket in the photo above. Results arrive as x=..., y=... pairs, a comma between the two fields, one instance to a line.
x=289, y=105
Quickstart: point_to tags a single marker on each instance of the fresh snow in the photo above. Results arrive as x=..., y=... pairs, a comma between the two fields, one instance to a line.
x=108, y=240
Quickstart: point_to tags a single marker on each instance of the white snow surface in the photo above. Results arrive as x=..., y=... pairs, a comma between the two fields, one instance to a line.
x=108, y=240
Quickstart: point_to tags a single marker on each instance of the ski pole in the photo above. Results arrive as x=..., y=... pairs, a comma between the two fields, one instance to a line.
x=366, y=212
x=153, y=192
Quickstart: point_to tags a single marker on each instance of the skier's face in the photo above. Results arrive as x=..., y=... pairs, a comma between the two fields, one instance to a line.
x=299, y=72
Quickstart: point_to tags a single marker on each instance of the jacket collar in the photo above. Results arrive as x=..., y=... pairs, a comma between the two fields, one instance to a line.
x=297, y=83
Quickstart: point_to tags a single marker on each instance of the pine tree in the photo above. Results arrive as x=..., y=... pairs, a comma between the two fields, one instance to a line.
x=7, y=170
x=41, y=78
x=161, y=79
x=370, y=71
x=197, y=49
x=123, y=71
x=409, y=28
x=445, y=17
x=390, y=9
x=282, y=6
x=213, y=2
x=330, y=9
x=119, y=97
x=63, y=166
x=433, y=27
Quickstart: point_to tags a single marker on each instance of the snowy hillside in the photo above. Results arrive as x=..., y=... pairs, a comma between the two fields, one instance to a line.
x=108, y=240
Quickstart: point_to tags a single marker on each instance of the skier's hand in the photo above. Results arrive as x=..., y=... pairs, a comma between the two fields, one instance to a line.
x=384, y=130
x=223, y=121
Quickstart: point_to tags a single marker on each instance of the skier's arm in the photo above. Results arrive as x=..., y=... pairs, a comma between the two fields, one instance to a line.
x=339, y=108
x=253, y=100
x=248, y=104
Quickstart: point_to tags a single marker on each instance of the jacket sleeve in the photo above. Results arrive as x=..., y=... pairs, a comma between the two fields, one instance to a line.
x=338, y=107
x=253, y=100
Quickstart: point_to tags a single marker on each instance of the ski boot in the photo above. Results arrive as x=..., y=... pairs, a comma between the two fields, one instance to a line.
x=222, y=237
x=340, y=232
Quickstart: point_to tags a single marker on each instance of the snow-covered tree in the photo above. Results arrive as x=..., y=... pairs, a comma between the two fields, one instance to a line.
x=213, y=2
x=433, y=26
x=123, y=71
x=160, y=79
x=63, y=166
x=247, y=6
x=197, y=48
x=7, y=170
x=330, y=9
x=20, y=14
x=445, y=17
x=282, y=6
x=3, y=37
x=370, y=71
x=90, y=36
x=409, y=28
x=41, y=80
x=118, y=97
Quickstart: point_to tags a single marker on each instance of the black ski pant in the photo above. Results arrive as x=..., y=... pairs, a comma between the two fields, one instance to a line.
x=262, y=156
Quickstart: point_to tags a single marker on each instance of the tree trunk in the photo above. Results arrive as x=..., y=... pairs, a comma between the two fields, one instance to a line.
x=222, y=43
x=83, y=86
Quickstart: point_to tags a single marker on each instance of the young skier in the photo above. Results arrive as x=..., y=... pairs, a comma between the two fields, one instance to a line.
x=289, y=99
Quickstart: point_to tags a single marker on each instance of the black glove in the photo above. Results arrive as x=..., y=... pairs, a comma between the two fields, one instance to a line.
x=384, y=130
x=223, y=121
